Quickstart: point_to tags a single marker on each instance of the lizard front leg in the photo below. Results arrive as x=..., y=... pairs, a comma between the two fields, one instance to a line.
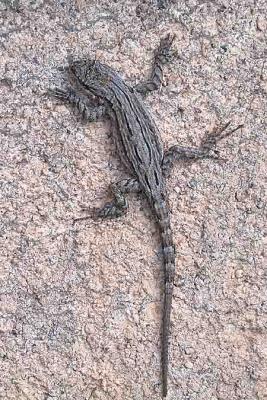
x=207, y=149
x=81, y=103
x=162, y=56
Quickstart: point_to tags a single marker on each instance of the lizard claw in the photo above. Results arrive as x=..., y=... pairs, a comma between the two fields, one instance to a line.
x=218, y=134
x=91, y=212
x=167, y=40
x=58, y=93
x=214, y=154
x=110, y=210
x=164, y=53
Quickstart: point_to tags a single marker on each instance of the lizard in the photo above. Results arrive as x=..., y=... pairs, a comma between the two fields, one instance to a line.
x=96, y=90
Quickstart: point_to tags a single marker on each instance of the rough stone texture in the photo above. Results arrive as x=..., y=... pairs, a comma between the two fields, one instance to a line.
x=81, y=302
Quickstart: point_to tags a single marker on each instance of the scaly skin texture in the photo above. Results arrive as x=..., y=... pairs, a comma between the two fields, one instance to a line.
x=140, y=149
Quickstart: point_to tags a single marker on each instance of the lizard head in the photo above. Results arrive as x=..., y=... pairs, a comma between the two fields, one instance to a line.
x=90, y=72
x=83, y=70
x=94, y=76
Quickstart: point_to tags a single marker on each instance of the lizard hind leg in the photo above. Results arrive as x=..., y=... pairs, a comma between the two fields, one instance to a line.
x=119, y=205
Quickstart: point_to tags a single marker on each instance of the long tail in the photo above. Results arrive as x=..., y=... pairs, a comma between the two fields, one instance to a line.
x=162, y=213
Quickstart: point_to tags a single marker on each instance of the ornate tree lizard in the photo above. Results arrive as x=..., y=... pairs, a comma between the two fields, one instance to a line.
x=139, y=147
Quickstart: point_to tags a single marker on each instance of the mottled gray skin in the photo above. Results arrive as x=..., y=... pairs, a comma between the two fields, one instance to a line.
x=142, y=153
x=137, y=135
x=140, y=149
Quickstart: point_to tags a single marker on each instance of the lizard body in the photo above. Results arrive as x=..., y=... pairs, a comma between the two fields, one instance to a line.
x=140, y=149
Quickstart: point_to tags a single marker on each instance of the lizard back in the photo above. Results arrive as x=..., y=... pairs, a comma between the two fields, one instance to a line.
x=135, y=132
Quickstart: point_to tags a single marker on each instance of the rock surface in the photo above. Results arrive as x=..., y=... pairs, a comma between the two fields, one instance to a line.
x=81, y=302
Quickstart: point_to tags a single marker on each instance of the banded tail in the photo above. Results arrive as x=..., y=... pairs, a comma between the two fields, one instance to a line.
x=162, y=213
